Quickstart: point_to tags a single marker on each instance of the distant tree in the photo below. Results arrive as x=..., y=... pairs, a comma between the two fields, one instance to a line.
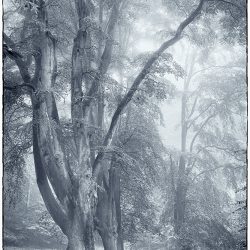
x=211, y=106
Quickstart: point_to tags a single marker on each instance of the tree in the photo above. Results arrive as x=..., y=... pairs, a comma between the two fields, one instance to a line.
x=78, y=206
x=211, y=105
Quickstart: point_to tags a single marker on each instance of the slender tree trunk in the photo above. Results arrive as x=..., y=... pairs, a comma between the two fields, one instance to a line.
x=28, y=196
x=180, y=197
x=181, y=187
x=117, y=196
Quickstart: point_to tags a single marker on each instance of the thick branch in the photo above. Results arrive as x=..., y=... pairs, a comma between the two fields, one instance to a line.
x=140, y=78
x=19, y=61
x=105, y=58
x=50, y=201
x=50, y=137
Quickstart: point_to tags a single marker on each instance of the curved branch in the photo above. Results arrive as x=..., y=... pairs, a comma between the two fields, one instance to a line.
x=22, y=66
x=126, y=99
x=54, y=208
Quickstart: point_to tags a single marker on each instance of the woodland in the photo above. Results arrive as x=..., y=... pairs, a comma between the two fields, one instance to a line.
x=124, y=124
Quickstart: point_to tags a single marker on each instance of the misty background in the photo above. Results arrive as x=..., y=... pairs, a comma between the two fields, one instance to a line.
x=179, y=145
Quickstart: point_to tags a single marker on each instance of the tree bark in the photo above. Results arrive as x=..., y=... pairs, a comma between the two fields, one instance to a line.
x=80, y=231
x=109, y=210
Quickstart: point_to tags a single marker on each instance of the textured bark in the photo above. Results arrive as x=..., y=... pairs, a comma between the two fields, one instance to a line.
x=50, y=201
x=75, y=196
x=109, y=210
x=80, y=230
x=75, y=236
x=87, y=118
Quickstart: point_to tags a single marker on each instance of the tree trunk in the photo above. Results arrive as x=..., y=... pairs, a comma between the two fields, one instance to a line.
x=180, y=197
x=117, y=197
x=80, y=232
x=75, y=242
x=107, y=226
x=181, y=187
x=109, y=241
x=109, y=210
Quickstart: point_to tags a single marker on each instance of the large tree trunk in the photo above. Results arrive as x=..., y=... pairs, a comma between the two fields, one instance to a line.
x=72, y=202
x=109, y=210
x=75, y=240
x=80, y=231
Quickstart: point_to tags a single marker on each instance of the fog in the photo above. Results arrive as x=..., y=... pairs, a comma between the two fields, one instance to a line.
x=124, y=124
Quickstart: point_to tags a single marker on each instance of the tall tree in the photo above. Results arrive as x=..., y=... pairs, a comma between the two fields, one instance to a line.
x=69, y=182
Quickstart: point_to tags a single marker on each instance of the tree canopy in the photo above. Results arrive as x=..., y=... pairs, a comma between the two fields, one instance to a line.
x=125, y=124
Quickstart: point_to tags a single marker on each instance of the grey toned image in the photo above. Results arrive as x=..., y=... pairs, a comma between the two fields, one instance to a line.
x=124, y=124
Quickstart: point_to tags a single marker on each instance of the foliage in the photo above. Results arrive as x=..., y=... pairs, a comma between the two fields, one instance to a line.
x=215, y=108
